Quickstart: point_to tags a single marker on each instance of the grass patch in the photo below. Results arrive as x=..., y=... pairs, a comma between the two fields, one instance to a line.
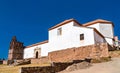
x=8, y=69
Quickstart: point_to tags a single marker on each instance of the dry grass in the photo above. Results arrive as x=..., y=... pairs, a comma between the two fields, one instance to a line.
x=8, y=69
x=16, y=69
x=100, y=60
x=114, y=53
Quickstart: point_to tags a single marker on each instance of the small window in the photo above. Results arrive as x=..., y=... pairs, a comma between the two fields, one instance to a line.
x=81, y=36
x=59, y=31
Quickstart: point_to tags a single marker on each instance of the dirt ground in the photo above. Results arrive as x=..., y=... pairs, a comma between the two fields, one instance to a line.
x=106, y=67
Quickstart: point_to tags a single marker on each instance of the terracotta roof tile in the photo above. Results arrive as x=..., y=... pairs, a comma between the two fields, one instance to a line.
x=64, y=22
x=37, y=44
x=97, y=21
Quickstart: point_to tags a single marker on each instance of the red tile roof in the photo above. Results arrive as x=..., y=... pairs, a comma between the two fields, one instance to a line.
x=37, y=44
x=97, y=21
x=64, y=22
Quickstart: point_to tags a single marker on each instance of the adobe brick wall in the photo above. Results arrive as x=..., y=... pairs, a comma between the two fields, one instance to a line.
x=41, y=60
x=91, y=51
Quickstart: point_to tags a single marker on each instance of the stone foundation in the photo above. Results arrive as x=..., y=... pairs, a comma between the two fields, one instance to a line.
x=54, y=68
x=46, y=69
x=79, y=53
x=41, y=60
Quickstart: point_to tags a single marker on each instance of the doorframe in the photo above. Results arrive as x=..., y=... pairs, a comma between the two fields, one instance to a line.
x=37, y=49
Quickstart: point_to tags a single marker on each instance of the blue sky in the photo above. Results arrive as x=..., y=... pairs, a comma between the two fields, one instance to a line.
x=30, y=20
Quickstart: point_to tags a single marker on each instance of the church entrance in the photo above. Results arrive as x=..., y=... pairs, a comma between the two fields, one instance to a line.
x=37, y=54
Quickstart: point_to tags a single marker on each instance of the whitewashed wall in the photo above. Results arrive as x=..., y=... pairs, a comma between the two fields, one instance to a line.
x=97, y=26
x=106, y=30
x=29, y=52
x=70, y=37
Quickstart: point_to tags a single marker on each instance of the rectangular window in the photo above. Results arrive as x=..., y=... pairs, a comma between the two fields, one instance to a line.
x=81, y=36
x=59, y=31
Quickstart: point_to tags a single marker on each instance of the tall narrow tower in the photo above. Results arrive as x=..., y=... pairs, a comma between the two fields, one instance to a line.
x=15, y=50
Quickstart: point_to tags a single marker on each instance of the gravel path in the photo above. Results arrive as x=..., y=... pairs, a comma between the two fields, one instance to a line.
x=106, y=67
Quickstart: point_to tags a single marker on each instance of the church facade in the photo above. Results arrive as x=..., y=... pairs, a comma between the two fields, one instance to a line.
x=70, y=33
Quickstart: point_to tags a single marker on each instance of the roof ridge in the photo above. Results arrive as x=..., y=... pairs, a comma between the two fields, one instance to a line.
x=96, y=21
x=39, y=43
x=64, y=22
x=102, y=20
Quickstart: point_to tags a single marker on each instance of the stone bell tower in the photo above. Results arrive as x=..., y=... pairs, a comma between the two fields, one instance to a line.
x=15, y=50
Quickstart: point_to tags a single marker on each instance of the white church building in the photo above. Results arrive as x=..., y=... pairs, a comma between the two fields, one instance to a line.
x=70, y=33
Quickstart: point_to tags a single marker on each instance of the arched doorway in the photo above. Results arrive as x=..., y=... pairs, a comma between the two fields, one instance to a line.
x=36, y=56
x=37, y=52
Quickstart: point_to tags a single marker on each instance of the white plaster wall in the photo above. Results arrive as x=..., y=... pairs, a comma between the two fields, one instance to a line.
x=88, y=36
x=98, y=38
x=60, y=42
x=106, y=30
x=97, y=26
x=70, y=37
x=29, y=52
x=65, y=28
x=45, y=49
